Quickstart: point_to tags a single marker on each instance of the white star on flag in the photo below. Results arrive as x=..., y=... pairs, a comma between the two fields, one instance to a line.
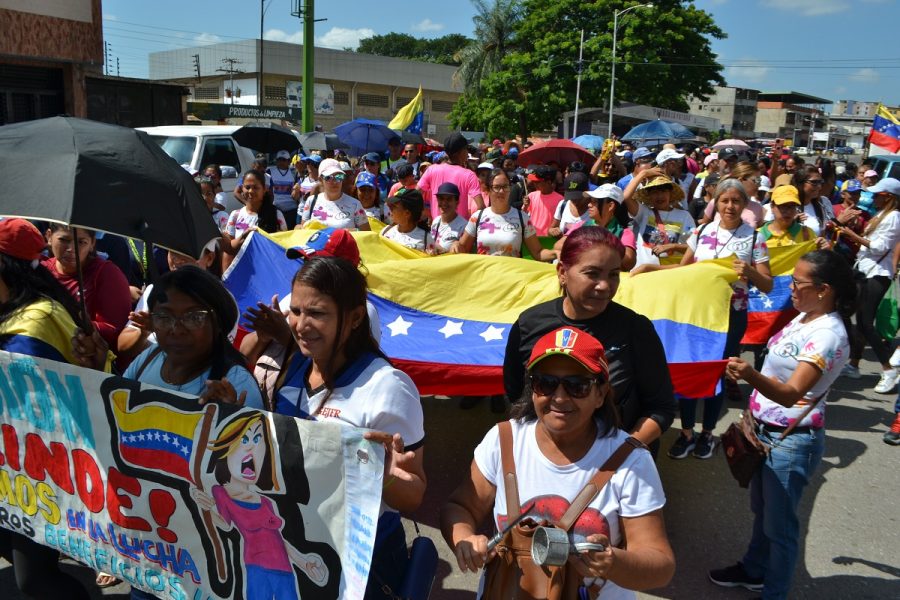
x=166, y=437
x=399, y=326
x=768, y=302
x=492, y=333
x=451, y=328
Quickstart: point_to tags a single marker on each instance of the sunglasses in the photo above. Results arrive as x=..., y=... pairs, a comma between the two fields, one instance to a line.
x=576, y=386
x=338, y=177
x=191, y=321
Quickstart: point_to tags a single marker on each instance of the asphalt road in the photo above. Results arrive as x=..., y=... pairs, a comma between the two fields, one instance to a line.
x=851, y=524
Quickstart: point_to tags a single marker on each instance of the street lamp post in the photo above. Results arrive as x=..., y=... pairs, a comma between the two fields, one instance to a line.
x=578, y=85
x=612, y=81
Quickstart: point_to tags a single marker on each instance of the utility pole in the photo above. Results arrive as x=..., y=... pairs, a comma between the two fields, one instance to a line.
x=106, y=58
x=578, y=85
x=231, y=71
x=117, y=66
x=307, y=13
x=197, y=66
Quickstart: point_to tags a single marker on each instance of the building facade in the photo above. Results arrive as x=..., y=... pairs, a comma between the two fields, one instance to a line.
x=734, y=107
x=793, y=116
x=348, y=85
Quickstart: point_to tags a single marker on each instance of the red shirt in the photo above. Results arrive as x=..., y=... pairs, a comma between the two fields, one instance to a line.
x=106, y=295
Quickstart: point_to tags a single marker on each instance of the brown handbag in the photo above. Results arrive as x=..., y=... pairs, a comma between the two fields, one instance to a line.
x=512, y=574
x=743, y=449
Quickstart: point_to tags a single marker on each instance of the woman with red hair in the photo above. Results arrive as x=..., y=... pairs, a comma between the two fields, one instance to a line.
x=589, y=266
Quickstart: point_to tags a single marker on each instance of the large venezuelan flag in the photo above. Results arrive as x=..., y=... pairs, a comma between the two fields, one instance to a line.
x=445, y=319
x=411, y=116
x=769, y=313
x=155, y=437
x=885, y=130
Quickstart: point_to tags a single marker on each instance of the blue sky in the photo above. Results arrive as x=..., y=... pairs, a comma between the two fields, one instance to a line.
x=835, y=49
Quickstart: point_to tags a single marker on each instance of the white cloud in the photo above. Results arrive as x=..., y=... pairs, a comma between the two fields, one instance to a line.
x=810, y=8
x=340, y=37
x=207, y=38
x=109, y=17
x=427, y=26
x=279, y=35
x=748, y=71
x=866, y=75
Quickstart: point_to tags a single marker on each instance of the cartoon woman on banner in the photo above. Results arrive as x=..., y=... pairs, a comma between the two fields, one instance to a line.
x=242, y=461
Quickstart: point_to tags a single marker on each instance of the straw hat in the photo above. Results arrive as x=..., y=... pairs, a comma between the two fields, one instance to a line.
x=675, y=197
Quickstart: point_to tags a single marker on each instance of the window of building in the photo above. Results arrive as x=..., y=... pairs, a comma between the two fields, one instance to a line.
x=341, y=98
x=275, y=92
x=206, y=93
x=402, y=101
x=444, y=106
x=374, y=100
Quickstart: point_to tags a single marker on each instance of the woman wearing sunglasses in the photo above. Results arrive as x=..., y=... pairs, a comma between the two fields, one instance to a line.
x=817, y=210
x=332, y=207
x=588, y=270
x=563, y=429
x=803, y=362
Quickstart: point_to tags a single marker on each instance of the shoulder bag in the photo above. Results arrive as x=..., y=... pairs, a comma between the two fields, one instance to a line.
x=512, y=574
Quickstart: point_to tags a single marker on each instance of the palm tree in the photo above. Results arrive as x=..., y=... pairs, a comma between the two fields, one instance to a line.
x=494, y=38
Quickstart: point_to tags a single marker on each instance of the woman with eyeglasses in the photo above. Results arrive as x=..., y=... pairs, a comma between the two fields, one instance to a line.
x=804, y=360
x=874, y=270
x=752, y=215
x=563, y=429
x=817, y=210
x=500, y=229
x=332, y=207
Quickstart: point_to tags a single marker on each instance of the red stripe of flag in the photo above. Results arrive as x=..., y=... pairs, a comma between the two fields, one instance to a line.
x=885, y=141
x=158, y=460
x=763, y=325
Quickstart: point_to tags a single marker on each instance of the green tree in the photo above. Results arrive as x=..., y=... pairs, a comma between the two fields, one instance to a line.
x=442, y=50
x=663, y=56
x=495, y=36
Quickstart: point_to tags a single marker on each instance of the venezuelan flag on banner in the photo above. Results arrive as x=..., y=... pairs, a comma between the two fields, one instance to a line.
x=154, y=436
x=445, y=320
x=885, y=130
x=410, y=117
x=769, y=313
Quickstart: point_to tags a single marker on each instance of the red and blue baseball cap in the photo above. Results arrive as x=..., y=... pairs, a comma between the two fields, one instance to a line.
x=576, y=344
x=327, y=242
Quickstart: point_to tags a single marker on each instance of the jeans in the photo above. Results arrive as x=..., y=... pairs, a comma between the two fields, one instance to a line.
x=775, y=493
x=737, y=325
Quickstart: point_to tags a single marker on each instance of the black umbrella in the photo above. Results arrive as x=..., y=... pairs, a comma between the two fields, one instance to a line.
x=408, y=137
x=266, y=137
x=316, y=140
x=104, y=177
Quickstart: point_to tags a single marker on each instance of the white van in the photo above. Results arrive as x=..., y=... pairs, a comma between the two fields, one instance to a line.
x=195, y=146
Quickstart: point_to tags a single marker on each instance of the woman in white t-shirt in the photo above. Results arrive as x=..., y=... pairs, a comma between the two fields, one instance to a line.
x=660, y=227
x=817, y=209
x=406, y=208
x=500, y=229
x=726, y=237
x=332, y=207
x=448, y=227
x=570, y=214
x=341, y=375
x=258, y=212
x=875, y=267
x=562, y=433
x=803, y=362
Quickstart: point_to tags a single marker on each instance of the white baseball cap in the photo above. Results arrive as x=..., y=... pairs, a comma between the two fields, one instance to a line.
x=668, y=154
x=283, y=154
x=329, y=166
x=765, y=184
x=608, y=190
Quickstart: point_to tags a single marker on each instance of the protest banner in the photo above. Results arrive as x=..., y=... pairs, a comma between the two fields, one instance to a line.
x=181, y=500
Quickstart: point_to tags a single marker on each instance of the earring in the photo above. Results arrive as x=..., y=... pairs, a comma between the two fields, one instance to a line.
x=821, y=296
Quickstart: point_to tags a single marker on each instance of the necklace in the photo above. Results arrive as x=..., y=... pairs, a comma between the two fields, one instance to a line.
x=716, y=247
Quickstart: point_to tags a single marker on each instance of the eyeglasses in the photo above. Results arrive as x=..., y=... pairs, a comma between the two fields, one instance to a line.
x=576, y=386
x=798, y=282
x=191, y=321
x=815, y=181
x=755, y=180
x=500, y=188
x=338, y=177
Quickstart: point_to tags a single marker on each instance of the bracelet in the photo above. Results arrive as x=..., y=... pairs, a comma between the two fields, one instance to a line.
x=388, y=483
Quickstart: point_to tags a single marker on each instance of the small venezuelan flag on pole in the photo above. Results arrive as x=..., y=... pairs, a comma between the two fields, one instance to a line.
x=411, y=116
x=885, y=130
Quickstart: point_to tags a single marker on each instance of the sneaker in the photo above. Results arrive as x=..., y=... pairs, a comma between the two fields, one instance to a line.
x=892, y=437
x=887, y=383
x=894, y=361
x=850, y=372
x=706, y=445
x=682, y=446
x=735, y=576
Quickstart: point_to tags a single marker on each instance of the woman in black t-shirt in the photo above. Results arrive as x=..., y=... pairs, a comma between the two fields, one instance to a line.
x=588, y=270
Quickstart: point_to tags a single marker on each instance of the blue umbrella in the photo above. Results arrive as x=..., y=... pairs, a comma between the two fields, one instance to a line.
x=658, y=130
x=365, y=135
x=593, y=143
